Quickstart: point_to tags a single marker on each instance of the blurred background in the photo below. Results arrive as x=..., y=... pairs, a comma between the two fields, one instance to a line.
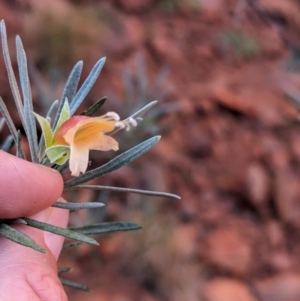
x=226, y=75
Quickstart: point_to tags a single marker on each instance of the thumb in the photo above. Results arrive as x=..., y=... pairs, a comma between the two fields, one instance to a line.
x=54, y=216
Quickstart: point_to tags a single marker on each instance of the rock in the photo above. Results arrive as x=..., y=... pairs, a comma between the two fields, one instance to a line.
x=287, y=192
x=213, y=10
x=284, y=287
x=228, y=250
x=223, y=289
x=257, y=184
x=135, y=6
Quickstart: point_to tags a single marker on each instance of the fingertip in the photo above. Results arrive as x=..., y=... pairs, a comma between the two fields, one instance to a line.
x=26, y=187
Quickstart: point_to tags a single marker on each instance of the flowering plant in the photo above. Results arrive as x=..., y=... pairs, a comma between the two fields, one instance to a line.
x=65, y=143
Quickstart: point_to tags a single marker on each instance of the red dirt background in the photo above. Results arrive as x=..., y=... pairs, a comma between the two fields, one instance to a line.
x=230, y=147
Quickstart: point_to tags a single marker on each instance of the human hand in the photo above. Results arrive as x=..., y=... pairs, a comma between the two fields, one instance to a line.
x=27, y=190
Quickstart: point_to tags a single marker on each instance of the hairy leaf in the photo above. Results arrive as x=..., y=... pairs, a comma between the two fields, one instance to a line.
x=115, y=163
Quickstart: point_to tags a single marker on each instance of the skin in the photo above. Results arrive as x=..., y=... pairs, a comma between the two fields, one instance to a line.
x=28, y=189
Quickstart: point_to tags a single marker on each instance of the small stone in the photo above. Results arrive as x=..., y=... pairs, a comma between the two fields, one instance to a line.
x=135, y=6
x=223, y=289
x=284, y=287
x=257, y=184
x=228, y=250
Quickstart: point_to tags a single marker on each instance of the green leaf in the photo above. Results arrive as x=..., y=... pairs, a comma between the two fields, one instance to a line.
x=106, y=228
x=60, y=231
x=19, y=237
x=115, y=163
x=64, y=115
x=95, y=107
x=46, y=128
x=57, y=152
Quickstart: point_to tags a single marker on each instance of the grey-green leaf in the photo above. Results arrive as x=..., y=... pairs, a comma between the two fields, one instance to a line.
x=86, y=86
x=115, y=163
x=128, y=190
x=77, y=206
x=19, y=237
x=75, y=285
x=10, y=124
x=30, y=125
x=11, y=76
x=60, y=231
x=64, y=270
x=70, y=89
x=107, y=227
x=8, y=143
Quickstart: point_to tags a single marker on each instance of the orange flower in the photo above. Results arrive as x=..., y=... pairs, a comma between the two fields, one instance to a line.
x=81, y=134
x=73, y=137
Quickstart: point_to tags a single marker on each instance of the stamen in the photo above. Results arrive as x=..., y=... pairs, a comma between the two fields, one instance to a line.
x=113, y=115
x=120, y=124
x=132, y=121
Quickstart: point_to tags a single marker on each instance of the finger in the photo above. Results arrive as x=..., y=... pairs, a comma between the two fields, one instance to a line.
x=26, y=188
x=33, y=272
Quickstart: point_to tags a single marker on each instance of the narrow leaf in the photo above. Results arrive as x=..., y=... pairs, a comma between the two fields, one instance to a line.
x=60, y=231
x=143, y=110
x=30, y=125
x=2, y=122
x=8, y=143
x=20, y=152
x=19, y=237
x=115, y=163
x=52, y=109
x=86, y=86
x=77, y=206
x=62, y=168
x=70, y=89
x=64, y=115
x=95, y=107
x=10, y=124
x=64, y=270
x=128, y=190
x=106, y=228
x=75, y=285
x=71, y=245
x=10, y=73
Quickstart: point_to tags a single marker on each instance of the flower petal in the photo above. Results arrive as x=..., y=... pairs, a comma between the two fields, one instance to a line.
x=79, y=159
x=101, y=142
x=90, y=128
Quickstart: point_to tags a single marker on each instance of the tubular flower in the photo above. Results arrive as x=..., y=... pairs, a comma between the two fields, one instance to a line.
x=75, y=136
